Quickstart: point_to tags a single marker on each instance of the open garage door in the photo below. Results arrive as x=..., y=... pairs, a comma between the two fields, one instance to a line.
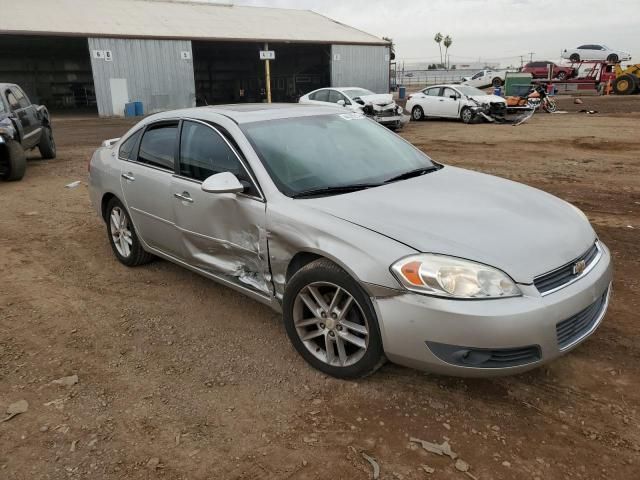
x=227, y=72
x=54, y=71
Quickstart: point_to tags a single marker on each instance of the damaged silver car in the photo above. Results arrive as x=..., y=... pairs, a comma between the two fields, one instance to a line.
x=370, y=249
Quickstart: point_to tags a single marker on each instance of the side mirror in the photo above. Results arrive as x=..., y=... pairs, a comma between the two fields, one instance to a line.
x=453, y=97
x=225, y=182
x=342, y=103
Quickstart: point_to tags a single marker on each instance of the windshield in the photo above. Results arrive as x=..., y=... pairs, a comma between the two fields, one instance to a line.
x=326, y=151
x=357, y=92
x=470, y=91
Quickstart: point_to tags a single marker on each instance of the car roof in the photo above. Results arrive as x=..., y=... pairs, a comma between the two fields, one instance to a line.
x=249, y=112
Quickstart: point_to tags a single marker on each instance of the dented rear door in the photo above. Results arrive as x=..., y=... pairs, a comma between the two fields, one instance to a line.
x=223, y=234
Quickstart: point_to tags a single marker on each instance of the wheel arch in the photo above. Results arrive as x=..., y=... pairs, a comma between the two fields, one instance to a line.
x=106, y=198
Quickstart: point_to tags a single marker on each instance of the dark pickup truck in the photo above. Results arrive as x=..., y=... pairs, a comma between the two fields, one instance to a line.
x=23, y=127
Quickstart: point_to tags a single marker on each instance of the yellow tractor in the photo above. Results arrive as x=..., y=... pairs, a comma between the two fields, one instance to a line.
x=627, y=81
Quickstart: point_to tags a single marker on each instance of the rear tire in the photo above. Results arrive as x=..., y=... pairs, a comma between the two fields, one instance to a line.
x=625, y=84
x=123, y=237
x=417, y=113
x=47, y=145
x=14, y=159
x=574, y=57
x=338, y=335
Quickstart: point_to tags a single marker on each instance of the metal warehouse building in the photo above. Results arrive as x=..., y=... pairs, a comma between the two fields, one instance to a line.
x=99, y=55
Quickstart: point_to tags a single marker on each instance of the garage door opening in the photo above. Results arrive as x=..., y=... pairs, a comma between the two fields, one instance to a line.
x=53, y=71
x=233, y=73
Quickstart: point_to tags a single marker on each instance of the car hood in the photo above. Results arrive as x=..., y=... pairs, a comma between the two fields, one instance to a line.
x=381, y=99
x=487, y=99
x=518, y=229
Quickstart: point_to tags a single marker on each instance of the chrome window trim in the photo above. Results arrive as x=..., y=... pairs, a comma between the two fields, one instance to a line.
x=232, y=148
x=586, y=271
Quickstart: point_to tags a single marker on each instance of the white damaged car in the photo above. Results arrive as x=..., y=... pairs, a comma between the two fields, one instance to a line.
x=456, y=101
x=379, y=106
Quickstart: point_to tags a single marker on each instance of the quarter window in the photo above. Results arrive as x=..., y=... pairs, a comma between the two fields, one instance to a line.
x=126, y=149
x=158, y=146
x=203, y=152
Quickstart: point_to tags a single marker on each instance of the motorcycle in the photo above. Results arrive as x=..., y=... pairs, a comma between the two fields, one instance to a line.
x=539, y=98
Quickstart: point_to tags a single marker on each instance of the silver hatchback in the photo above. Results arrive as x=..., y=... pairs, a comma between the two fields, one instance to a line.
x=370, y=249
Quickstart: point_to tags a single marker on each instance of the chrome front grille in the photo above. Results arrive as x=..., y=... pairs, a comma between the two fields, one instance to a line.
x=560, y=277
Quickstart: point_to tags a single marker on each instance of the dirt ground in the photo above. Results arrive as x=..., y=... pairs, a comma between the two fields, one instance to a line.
x=180, y=378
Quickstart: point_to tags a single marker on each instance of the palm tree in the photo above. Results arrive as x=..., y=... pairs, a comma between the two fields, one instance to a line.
x=447, y=43
x=438, y=39
x=392, y=47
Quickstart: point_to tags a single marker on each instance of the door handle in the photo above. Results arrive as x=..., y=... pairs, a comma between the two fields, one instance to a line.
x=129, y=176
x=184, y=196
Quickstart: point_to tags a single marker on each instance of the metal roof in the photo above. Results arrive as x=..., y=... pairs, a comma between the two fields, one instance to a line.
x=175, y=19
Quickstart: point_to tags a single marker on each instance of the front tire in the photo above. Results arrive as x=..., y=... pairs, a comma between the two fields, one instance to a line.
x=122, y=236
x=467, y=115
x=497, y=82
x=14, y=160
x=47, y=145
x=417, y=113
x=331, y=322
x=613, y=58
x=562, y=76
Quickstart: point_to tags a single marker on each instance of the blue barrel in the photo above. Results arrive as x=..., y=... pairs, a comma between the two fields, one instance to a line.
x=130, y=109
x=402, y=92
x=139, y=109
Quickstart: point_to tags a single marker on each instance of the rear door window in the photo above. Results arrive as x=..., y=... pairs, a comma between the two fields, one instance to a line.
x=321, y=96
x=432, y=92
x=158, y=146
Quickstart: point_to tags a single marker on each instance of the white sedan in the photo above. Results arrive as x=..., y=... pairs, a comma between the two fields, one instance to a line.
x=596, y=52
x=381, y=107
x=485, y=78
x=454, y=101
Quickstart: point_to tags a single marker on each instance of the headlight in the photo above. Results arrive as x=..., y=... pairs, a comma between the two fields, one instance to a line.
x=452, y=277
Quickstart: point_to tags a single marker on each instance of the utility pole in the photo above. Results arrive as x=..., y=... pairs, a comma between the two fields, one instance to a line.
x=531, y=54
x=267, y=69
x=521, y=61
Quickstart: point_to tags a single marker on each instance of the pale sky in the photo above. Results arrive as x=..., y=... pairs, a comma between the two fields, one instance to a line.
x=492, y=30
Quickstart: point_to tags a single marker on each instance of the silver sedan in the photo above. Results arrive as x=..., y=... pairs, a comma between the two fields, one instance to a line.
x=370, y=249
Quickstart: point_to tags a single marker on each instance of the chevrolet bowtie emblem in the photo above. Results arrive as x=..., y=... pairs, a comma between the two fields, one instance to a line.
x=579, y=267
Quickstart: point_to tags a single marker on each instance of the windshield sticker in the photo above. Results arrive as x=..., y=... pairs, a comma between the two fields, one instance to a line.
x=352, y=116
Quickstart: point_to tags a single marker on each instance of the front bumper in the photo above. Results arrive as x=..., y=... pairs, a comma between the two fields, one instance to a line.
x=418, y=331
x=391, y=121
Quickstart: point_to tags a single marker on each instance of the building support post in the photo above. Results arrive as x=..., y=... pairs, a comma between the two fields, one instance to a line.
x=267, y=68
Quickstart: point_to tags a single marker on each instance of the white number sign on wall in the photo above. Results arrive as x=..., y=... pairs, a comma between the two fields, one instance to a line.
x=267, y=55
x=185, y=55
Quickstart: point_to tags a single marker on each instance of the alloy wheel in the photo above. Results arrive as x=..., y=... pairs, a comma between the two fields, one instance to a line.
x=120, y=232
x=331, y=324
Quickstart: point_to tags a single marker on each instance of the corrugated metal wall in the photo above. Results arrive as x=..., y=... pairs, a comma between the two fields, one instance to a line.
x=365, y=66
x=155, y=71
